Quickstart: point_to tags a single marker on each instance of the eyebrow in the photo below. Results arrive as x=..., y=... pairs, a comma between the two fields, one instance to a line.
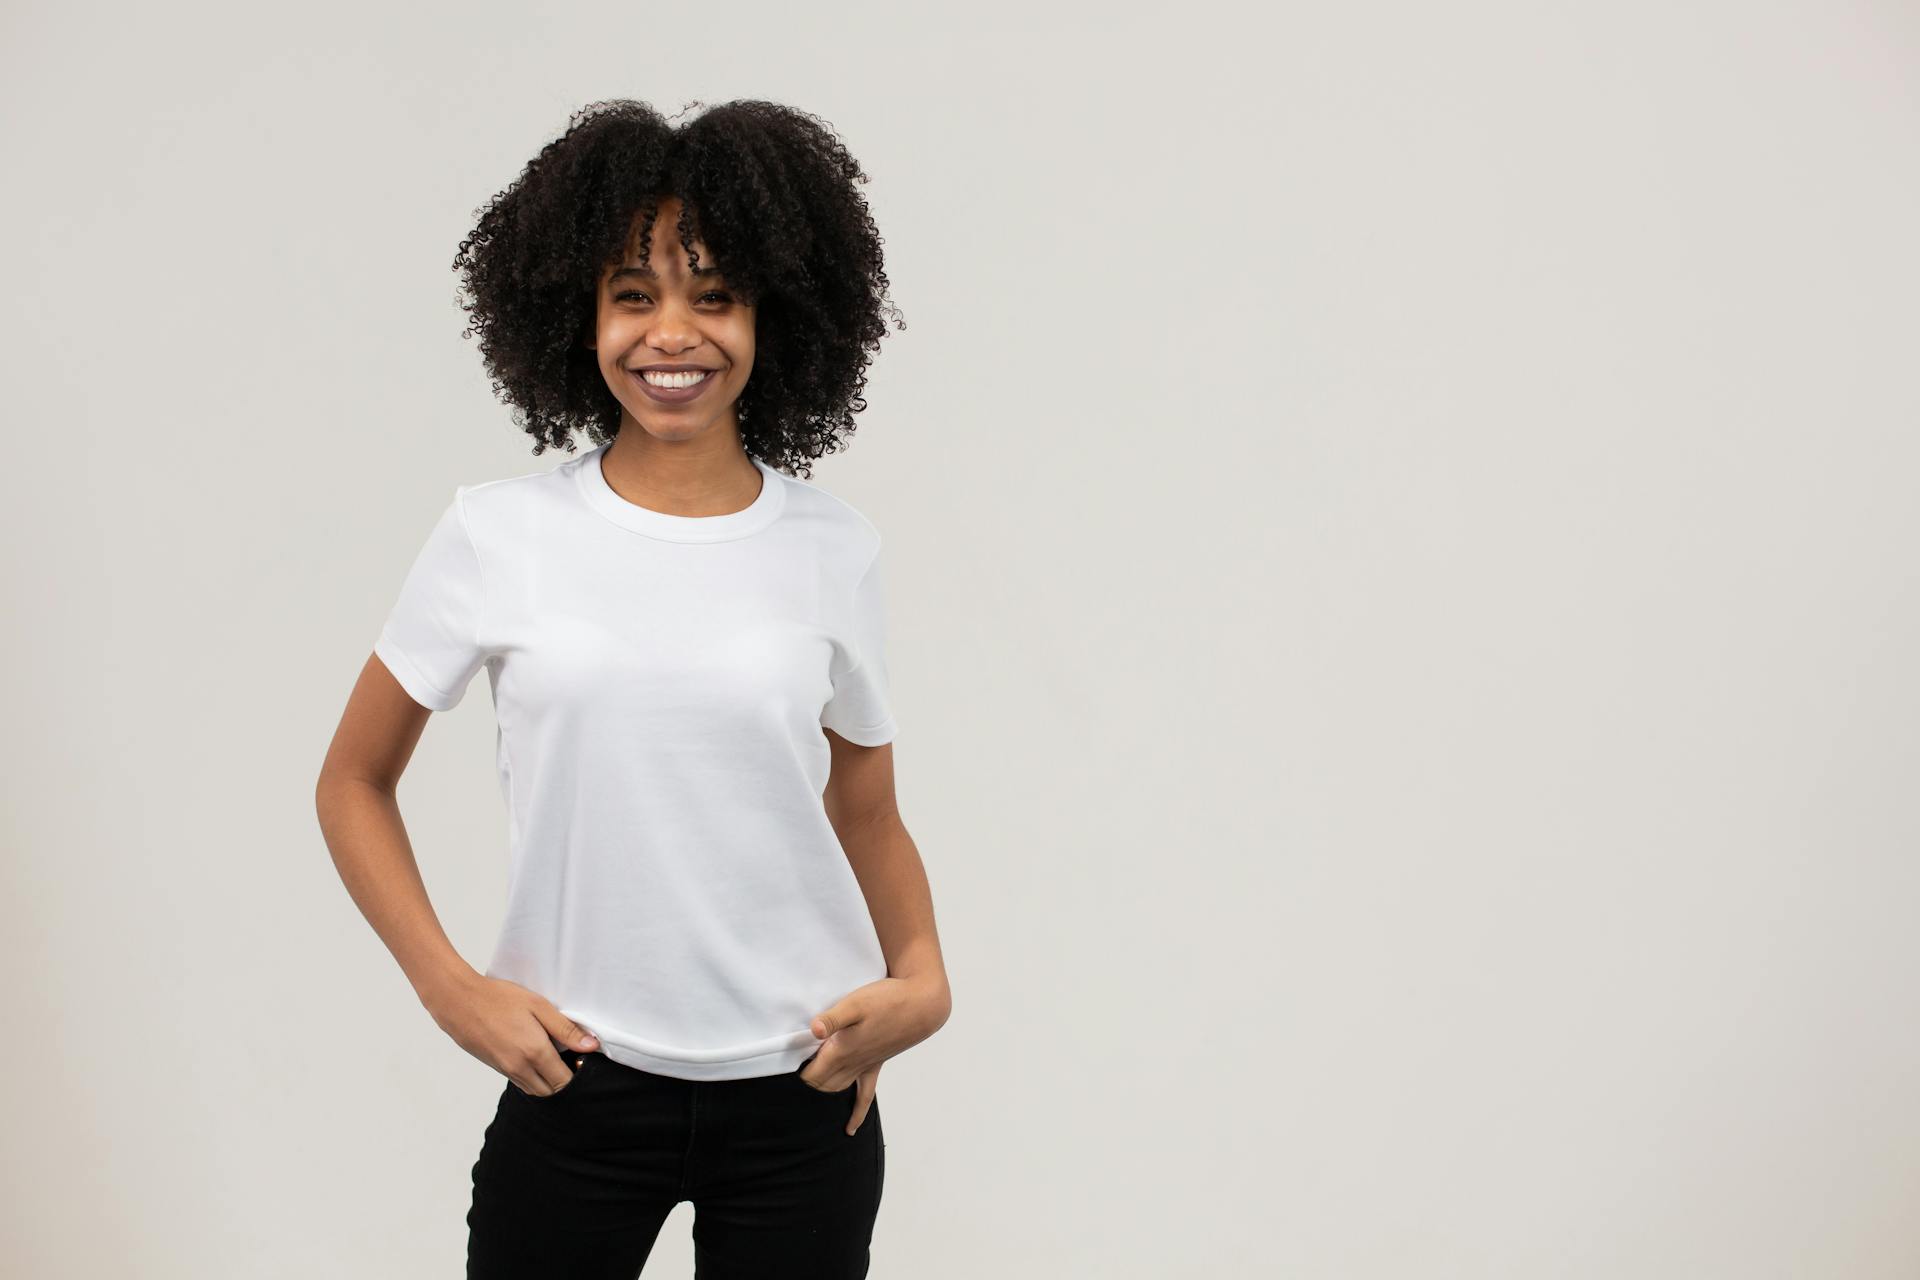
x=648, y=273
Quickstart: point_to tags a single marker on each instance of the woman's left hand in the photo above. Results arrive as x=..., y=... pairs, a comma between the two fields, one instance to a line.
x=869, y=1025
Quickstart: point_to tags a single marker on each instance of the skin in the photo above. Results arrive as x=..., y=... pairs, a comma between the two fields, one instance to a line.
x=687, y=460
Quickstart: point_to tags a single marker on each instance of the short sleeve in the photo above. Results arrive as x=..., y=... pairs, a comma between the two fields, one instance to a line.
x=430, y=641
x=861, y=709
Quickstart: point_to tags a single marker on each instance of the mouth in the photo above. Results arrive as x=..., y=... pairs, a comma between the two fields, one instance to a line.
x=674, y=387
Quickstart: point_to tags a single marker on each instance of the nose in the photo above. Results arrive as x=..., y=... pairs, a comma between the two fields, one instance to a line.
x=673, y=329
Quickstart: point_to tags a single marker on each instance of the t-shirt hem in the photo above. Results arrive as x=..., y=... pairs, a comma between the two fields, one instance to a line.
x=877, y=735
x=409, y=677
x=777, y=1056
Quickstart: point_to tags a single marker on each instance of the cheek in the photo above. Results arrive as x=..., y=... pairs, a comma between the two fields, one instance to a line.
x=740, y=341
x=606, y=344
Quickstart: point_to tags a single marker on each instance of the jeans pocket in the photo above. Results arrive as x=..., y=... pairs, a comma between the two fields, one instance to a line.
x=810, y=1087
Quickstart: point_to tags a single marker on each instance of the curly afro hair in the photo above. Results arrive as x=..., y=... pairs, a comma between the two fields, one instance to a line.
x=774, y=196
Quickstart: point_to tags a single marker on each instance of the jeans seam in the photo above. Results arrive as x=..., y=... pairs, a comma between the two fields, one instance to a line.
x=686, y=1159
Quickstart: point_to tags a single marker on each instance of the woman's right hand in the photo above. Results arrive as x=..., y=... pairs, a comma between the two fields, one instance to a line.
x=513, y=1030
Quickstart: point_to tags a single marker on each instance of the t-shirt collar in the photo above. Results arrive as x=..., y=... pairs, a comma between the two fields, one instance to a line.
x=757, y=515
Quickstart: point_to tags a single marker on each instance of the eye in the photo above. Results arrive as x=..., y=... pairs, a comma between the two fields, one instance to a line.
x=711, y=293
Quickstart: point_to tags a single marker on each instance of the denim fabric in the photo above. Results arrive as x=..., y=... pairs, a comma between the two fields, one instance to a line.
x=577, y=1182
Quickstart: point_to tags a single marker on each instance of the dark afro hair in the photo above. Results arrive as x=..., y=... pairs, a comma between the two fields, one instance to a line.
x=774, y=196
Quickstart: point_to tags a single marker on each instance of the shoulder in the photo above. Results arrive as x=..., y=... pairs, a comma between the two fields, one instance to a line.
x=841, y=523
x=510, y=499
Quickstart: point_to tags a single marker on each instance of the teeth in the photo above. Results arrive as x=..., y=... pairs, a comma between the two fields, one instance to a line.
x=673, y=379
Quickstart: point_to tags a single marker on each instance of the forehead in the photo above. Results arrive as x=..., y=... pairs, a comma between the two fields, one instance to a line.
x=665, y=254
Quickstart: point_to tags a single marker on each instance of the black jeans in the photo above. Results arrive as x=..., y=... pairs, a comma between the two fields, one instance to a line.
x=577, y=1182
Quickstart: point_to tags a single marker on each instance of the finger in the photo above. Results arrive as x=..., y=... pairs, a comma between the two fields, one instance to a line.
x=840, y=1016
x=821, y=1070
x=838, y=1056
x=836, y=1065
x=549, y=1072
x=564, y=1030
x=863, y=1099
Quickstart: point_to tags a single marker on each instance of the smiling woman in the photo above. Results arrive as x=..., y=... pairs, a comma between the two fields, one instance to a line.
x=675, y=335
x=714, y=910
x=745, y=222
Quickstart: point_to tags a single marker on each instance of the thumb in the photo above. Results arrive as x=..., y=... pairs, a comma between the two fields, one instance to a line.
x=567, y=1031
x=840, y=1016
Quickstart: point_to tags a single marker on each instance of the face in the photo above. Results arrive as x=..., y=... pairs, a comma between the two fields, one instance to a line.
x=663, y=315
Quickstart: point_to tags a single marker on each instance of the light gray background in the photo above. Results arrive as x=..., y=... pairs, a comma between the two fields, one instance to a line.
x=1403, y=622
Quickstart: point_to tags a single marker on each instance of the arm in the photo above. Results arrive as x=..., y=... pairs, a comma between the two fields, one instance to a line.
x=861, y=806
x=360, y=820
x=499, y=1022
x=877, y=1021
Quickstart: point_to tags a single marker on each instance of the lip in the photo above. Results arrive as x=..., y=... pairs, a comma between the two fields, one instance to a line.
x=674, y=395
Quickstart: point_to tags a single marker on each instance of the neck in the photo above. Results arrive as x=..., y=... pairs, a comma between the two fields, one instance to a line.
x=705, y=476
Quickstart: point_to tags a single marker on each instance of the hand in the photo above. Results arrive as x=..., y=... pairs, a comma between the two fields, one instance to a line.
x=869, y=1025
x=516, y=1032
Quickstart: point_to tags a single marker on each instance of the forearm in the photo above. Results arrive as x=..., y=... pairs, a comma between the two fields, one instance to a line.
x=894, y=880
x=362, y=826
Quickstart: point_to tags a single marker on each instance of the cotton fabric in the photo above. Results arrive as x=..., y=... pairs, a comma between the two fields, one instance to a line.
x=661, y=686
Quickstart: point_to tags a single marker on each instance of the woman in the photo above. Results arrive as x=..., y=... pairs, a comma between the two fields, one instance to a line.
x=717, y=926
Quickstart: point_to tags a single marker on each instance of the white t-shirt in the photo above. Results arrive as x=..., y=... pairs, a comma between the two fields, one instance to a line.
x=661, y=683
